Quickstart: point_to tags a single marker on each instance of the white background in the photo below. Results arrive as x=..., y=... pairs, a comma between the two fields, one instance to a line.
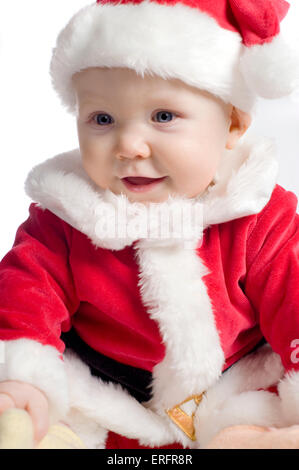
x=34, y=126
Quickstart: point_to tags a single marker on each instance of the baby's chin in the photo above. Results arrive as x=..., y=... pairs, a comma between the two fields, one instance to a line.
x=152, y=197
x=158, y=194
x=147, y=199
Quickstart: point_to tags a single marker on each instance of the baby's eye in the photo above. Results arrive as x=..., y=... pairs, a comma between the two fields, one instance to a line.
x=164, y=116
x=102, y=119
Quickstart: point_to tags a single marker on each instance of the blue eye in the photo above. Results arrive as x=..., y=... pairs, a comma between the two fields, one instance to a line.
x=164, y=115
x=103, y=119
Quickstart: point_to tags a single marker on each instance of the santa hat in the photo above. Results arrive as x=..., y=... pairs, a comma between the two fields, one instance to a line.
x=231, y=48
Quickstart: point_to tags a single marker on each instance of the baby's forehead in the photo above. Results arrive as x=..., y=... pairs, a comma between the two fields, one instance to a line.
x=124, y=88
x=100, y=81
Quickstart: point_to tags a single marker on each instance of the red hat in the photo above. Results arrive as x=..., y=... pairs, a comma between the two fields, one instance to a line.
x=231, y=48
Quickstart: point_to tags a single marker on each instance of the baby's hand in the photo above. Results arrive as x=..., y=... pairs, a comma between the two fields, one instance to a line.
x=256, y=437
x=24, y=396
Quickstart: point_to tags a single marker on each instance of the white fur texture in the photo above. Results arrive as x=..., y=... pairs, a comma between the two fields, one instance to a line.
x=171, y=42
x=244, y=181
x=96, y=406
x=272, y=69
x=39, y=365
x=243, y=186
x=258, y=408
x=110, y=407
x=288, y=390
x=234, y=399
x=89, y=430
x=176, y=297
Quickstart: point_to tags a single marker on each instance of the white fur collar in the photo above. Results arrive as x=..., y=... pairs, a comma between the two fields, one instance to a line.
x=243, y=186
x=171, y=278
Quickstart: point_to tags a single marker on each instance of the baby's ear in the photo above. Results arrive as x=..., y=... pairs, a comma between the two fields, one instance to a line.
x=239, y=123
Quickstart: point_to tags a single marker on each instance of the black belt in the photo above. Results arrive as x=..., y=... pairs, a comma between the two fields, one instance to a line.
x=135, y=380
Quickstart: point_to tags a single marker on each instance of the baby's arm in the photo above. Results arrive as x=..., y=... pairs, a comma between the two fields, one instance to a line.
x=272, y=278
x=271, y=285
x=25, y=396
x=37, y=300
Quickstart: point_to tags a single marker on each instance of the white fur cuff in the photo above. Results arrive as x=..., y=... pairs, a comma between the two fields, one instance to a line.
x=38, y=365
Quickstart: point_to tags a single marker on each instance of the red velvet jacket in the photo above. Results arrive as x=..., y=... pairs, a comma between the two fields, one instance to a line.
x=58, y=275
x=53, y=278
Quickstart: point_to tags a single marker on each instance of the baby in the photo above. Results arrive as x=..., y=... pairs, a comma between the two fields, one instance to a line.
x=117, y=321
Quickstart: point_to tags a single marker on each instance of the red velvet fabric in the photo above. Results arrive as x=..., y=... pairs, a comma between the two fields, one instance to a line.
x=258, y=21
x=54, y=277
x=116, y=441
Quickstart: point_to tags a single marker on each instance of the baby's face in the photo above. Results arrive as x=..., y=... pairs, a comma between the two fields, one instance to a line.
x=132, y=126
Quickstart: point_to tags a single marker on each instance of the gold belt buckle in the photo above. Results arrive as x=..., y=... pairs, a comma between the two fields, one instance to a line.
x=182, y=419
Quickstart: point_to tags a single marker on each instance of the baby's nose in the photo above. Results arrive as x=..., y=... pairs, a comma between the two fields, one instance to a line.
x=132, y=146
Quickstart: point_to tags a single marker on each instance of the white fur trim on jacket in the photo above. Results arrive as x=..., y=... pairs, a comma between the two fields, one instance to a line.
x=39, y=365
x=288, y=390
x=235, y=398
x=96, y=406
x=243, y=185
x=112, y=408
x=176, y=297
x=152, y=38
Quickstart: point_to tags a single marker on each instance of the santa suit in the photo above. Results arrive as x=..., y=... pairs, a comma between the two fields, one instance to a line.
x=178, y=314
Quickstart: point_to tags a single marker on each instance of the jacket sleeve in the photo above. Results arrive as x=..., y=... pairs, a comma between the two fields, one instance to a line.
x=37, y=300
x=272, y=286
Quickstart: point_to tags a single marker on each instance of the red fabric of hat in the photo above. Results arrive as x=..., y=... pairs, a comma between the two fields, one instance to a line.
x=257, y=20
x=233, y=49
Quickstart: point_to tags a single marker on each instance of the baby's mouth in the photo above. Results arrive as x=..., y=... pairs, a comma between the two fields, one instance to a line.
x=140, y=180
x=141, y=183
